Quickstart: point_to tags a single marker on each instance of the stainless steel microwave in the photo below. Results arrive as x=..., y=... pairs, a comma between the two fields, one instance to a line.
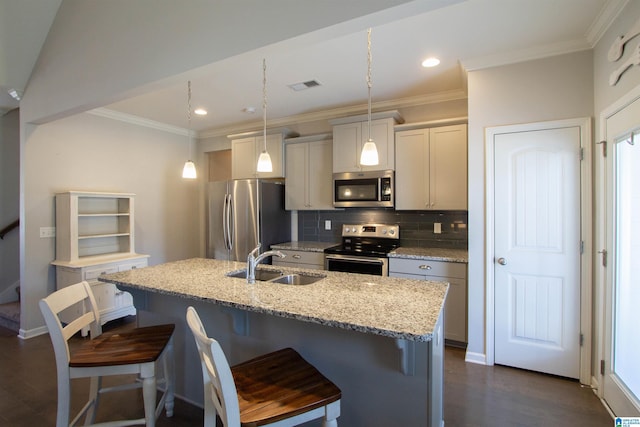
x=363, y=189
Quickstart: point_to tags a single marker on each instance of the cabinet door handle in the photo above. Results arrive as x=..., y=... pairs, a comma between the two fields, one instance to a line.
x=297, y=257
x=425, y=267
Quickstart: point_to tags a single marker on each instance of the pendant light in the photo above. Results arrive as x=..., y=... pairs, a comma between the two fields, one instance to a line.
x=189, y=170
x=264, y=161
x=369, y=155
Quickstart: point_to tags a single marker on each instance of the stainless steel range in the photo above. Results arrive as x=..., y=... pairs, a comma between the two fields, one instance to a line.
x=364, y=249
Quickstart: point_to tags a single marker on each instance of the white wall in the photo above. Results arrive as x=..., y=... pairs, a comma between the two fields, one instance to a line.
x=9, y=201
x=549, y=89
x=87, y=152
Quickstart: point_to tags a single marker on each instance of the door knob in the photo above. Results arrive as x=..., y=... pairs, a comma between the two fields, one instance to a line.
x=502, y=261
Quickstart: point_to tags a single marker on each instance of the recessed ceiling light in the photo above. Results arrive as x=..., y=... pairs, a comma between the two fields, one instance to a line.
x=200, y=111
x=430, y=62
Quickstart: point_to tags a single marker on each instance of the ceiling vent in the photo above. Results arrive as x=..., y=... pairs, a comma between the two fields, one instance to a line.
x=304, y=85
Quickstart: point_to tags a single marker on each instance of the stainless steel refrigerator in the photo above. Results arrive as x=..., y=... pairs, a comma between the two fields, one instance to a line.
x=242, y=213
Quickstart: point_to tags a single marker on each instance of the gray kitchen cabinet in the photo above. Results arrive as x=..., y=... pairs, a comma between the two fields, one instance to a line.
x=300, y=259
x=431, y=168
x=246, y=148
x=94, y=236
x=350, y=134
x=455, y=311
x=308, y=166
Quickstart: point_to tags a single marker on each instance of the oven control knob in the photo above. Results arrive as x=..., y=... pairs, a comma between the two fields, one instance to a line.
x=384, y=231
x=392, y=232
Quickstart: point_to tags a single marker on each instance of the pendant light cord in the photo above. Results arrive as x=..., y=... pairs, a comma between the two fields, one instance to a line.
x=264, y=101
x=369, y=84
x=189, y=116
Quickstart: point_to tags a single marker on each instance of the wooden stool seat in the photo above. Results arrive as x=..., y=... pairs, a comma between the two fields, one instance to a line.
x=140, y=345
x=277, y=389
x=279, y=385
x=125, y=353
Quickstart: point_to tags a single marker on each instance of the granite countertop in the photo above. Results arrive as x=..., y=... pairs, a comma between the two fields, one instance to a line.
x=304, y=246
x=433, y=254
x=392, y=307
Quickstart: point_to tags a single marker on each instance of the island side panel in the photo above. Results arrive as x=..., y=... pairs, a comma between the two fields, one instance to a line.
x=366, y=367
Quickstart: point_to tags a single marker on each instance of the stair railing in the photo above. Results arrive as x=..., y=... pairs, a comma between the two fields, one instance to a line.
x=9, y=227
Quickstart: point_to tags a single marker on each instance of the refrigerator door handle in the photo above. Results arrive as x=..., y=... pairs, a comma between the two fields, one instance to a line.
x=230, y=215
x=225, y=218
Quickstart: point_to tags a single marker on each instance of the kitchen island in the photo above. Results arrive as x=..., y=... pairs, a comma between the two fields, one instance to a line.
x=378, y=338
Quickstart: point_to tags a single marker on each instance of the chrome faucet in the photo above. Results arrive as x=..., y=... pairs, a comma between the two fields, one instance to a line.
x=253, y=261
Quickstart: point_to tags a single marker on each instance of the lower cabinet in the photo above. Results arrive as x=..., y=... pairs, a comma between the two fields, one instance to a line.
x=301, y=259
x=112, y=302
x=455, y=309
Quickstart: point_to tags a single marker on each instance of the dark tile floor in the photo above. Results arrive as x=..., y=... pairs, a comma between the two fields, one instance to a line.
x=474, y=395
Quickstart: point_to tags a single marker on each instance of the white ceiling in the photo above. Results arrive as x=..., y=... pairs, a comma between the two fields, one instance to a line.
x=468, y=35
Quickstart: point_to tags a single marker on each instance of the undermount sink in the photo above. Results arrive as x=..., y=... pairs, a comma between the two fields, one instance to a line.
x=297, y=279
x=278, y=277
x=263, y=275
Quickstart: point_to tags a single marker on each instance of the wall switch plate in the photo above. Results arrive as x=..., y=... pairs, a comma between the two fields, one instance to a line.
x=46, y=232
x=437, y=227
x=327, y=224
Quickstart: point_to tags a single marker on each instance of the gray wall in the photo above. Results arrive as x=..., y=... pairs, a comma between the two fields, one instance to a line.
x=9, y=203
x=87, y=152
x=555, y=88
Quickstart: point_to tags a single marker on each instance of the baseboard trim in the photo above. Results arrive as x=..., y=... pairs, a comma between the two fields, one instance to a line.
x=31, y=333
x=478, y=358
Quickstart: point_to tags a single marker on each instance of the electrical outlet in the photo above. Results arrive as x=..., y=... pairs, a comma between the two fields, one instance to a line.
x=47, y=232
x=437, y=227
x=327, y=224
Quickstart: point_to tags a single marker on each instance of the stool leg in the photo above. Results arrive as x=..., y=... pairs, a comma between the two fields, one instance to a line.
x=64, y=400
x=94, y=396
x=149, y=397
x=169, y=375
x=332, y=412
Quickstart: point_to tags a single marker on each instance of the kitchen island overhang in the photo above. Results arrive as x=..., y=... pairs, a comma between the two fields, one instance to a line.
x=341, y=323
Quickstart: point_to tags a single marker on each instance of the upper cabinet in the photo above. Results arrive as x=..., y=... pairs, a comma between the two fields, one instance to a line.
x=246, y=148
x=431, y=168
x=350, y=134
x=308, y=173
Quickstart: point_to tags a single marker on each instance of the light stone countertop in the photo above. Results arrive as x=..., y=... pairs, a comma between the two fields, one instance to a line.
x=304, y=246
x=392, y=307
x=433, y=254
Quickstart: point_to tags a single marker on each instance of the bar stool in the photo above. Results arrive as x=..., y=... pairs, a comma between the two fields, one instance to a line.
x=279, y=388
x=130, y=352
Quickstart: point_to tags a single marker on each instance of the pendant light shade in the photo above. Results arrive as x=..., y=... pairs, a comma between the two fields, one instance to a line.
x=369, y=154
x=264, y=161
x=189, y=169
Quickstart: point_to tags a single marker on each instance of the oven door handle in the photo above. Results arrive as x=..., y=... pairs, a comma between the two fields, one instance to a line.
x=360, y=260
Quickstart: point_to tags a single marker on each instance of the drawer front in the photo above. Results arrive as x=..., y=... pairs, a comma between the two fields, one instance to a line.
x=428, y=268
x=132, y=265
x=92, y=274
x=302, y=257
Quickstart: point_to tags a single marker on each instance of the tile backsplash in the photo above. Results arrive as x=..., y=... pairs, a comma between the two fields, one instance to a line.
x=416, y=227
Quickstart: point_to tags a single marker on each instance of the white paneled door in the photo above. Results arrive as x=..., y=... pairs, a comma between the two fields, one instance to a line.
x=537, y=250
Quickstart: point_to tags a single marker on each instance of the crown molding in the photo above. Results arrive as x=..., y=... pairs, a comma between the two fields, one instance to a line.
x=523, y=55
x=603, y=21
x=140, y=121
x=434, y=98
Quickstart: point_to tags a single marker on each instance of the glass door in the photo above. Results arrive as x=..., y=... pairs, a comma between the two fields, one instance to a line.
x=621, y=379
